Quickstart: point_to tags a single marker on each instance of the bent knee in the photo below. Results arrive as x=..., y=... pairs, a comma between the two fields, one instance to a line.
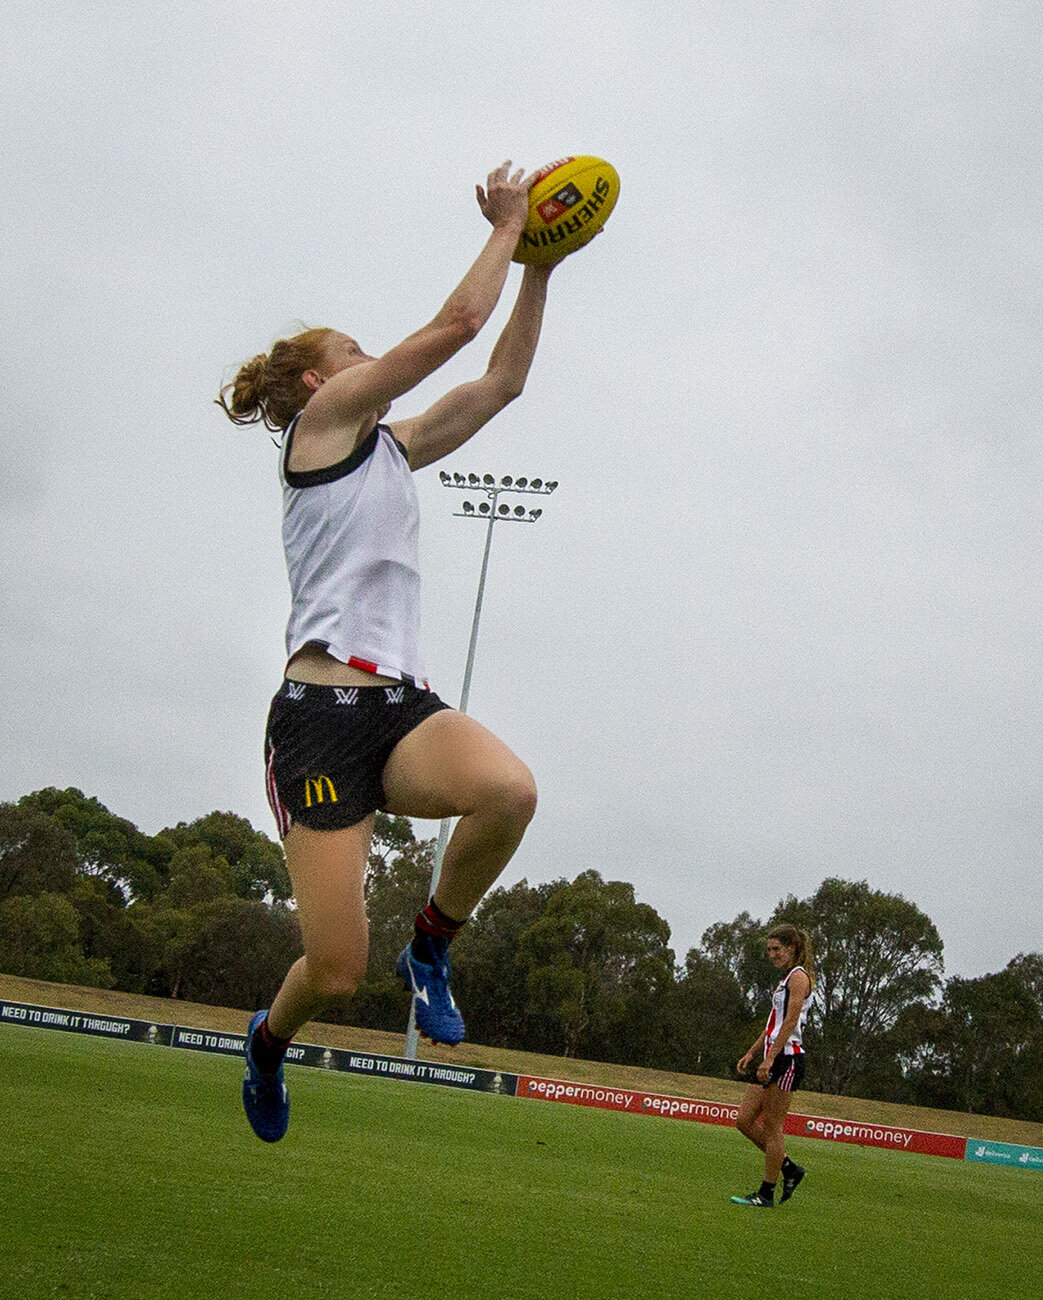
x=513, y=795
x=336, y=977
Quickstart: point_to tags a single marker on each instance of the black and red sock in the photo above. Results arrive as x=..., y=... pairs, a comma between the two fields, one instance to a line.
x=432, y=931
x=267, y=1050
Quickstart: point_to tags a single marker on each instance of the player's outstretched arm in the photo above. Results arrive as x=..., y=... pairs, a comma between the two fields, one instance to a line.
x=373, y=384
x=455, y=418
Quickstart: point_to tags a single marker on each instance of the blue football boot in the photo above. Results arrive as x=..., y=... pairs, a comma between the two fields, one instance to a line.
x=265, y=1099
x=437, y=1016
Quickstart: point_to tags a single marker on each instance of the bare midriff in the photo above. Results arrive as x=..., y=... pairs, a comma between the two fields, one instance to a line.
x=314, y=664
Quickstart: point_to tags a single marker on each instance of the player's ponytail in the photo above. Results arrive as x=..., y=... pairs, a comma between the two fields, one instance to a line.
x=269, y=387
x=799, y=941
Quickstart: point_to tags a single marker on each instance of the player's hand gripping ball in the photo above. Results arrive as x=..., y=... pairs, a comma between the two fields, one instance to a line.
x=569, y=202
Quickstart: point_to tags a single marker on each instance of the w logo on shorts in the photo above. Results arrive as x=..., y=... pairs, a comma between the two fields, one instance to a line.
x=295, y=690
x=346, y=696
x=395, y=694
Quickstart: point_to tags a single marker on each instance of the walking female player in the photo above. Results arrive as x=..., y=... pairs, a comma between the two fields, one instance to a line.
x=763, y=1111
x=354, y=727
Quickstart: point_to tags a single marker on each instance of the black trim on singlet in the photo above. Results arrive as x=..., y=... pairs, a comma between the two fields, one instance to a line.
x=330, y=473
x=785, y=985
x=785, y=989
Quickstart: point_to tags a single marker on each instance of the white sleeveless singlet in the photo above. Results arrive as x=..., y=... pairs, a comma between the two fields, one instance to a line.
x=779, y=1003
x=350, y=533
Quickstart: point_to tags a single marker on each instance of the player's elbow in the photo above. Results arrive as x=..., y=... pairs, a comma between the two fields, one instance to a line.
x=462, y=324
x=505, y=387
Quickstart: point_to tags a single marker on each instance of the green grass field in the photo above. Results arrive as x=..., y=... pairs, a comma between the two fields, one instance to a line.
x=129, y=1171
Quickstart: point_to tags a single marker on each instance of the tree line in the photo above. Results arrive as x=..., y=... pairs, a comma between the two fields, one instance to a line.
x=202, y=911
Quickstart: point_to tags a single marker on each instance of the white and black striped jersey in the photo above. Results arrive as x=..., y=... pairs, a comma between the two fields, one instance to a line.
x=779, y=1005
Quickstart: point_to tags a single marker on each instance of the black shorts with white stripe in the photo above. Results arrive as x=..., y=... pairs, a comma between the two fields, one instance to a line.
x=326, y=746
x=787, y=1072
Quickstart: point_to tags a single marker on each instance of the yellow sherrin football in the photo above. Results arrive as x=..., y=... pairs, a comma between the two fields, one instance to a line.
x=569, y=202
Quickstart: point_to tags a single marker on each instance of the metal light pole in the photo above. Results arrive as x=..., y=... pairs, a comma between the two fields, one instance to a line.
x=496, y=512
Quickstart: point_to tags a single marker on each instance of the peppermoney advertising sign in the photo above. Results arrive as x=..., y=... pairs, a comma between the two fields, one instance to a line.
x=877, y=1135
x=634, y=1103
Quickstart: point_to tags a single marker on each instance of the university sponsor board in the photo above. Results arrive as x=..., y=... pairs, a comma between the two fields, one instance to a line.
x=1005, y=1153
x=228, y=1044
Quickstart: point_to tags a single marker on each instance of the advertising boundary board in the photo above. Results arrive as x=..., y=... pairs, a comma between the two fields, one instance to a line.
x=860, y=1133
x=598, y=1096
x=1004, y=1153
x=316, y=1056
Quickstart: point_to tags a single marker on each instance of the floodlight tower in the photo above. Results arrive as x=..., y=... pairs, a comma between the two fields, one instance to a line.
x=496, y=512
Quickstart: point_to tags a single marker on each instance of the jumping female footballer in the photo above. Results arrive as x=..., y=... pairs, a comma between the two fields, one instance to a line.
x=354, y=727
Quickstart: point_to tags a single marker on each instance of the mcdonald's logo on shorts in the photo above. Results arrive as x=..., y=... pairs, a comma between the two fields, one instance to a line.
x=316, y=789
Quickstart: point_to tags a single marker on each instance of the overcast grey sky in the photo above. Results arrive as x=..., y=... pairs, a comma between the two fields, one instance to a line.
x=781, y=620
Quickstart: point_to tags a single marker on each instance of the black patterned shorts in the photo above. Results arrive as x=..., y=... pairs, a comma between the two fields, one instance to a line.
x=787, y=1071
x=326, y=746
